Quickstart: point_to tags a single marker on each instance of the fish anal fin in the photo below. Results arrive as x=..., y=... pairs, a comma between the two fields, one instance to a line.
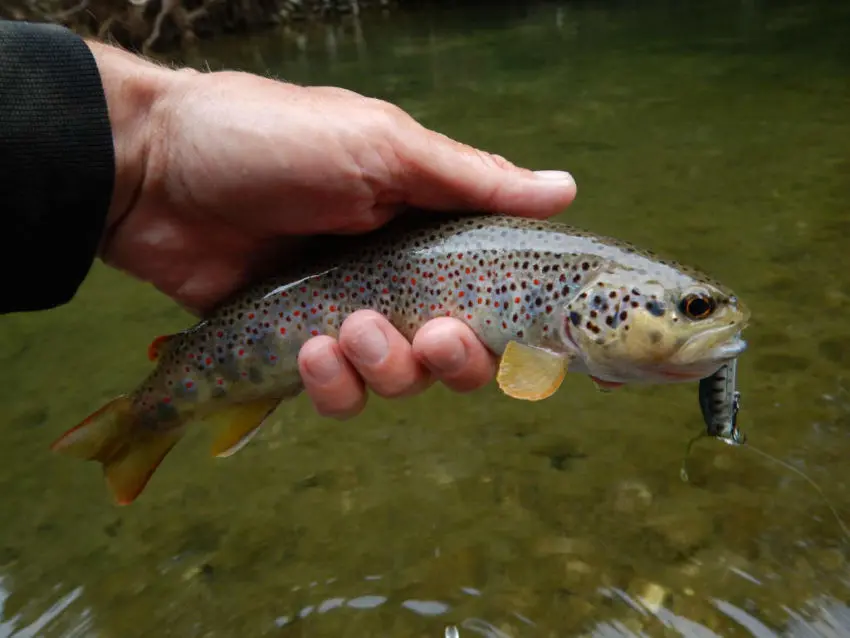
x=128, y=452
x=238, y=423
x=530, y=373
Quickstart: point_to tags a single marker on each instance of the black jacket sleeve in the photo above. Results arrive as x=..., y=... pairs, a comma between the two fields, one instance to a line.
x=57, y=164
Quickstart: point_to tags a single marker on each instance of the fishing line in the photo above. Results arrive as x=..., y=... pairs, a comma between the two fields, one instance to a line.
x=684, y=474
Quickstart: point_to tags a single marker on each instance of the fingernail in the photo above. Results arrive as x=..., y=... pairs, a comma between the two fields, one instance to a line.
x=324, y=367
x=450, y=357
x=554, y=176
x=370, y=345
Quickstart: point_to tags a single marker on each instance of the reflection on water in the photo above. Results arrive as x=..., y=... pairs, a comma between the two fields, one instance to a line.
x=19, y=626
x=716, y=132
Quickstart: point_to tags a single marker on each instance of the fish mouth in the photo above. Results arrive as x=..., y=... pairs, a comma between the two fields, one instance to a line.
x=731, y=349
x=719, y=344
x=724, y=345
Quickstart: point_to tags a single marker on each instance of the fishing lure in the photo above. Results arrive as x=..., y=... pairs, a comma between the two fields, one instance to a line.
x=720, y=402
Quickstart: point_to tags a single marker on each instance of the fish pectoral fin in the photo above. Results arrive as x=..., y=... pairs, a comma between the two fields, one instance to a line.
x=239, y=423
x=530, y=373
x=128, y=452
x=605, y=386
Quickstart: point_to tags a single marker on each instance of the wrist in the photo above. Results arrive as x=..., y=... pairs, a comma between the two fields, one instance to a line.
x=134, y=88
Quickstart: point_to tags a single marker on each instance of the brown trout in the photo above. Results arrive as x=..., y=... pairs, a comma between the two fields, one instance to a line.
x=544, y=297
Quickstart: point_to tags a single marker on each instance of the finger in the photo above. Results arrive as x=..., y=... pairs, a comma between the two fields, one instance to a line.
x=381, y=355
x=441, y=173
x=453, y=353
x=329, y=380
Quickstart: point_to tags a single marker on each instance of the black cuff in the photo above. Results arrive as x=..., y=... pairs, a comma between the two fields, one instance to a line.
x=57, y=164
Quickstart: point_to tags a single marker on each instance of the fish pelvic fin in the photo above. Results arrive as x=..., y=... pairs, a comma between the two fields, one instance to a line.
x=530, y=373
x=238, y=423
x=128, y=452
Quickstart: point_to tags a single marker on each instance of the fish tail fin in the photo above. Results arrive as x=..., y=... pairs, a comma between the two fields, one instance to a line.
x=128, y=452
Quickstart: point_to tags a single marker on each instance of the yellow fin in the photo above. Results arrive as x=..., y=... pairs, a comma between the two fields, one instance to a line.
x=530, y=373
x=128, y=452
x=239, y=423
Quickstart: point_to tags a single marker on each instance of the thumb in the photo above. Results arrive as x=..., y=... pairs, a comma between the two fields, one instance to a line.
x=441, y=173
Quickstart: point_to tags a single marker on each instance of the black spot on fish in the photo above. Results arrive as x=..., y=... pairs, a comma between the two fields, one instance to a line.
x=655, y=308
x=575, y=318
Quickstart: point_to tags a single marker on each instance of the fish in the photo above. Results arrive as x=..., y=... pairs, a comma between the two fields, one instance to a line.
x=544, y=297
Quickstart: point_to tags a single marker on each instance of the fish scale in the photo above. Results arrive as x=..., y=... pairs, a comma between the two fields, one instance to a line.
x=553, y=290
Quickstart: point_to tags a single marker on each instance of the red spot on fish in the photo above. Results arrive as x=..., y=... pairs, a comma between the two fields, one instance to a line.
x=460, y=255
x=282, y=330
x=332, y=308
x=433, y=307
x=536, y=282
x=209, y=361
x=315, y=333
x=220, y=381
x=517, y=299
x=441, y=278
x=241, y=352
x=507, y=275
x=219, y=334
x=480, y=301
x=315, y=293
x=385, y=291
x=280, y=314
x=313, y=311
x=468, y=271
x=495, y=304
x=250, y=315
x=469, y=317
x=189, y=385
x=347, y=278
x=362, y=289
x=191, y=355
x=166, y=400
x=297, y=313
x=395, y=278
x=303, y=289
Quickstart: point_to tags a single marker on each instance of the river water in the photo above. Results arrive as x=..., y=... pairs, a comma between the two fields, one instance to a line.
x=715, y=132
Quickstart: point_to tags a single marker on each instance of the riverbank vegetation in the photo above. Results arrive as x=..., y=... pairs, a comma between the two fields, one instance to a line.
x=162, y=25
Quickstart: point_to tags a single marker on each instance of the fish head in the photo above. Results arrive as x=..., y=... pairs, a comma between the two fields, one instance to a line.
x=654, y=326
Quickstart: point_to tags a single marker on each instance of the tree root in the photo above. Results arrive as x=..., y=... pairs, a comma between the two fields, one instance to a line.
x=159, y=25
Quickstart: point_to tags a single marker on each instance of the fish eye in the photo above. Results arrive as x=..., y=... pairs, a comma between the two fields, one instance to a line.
x=697, y=306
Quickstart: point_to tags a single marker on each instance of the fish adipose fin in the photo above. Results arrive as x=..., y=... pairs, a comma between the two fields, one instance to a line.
x=530, y=373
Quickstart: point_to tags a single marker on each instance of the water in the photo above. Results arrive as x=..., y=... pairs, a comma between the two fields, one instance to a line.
x=717, y=132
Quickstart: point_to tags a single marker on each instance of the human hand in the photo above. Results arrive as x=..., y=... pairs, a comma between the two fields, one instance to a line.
x=219, y=174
